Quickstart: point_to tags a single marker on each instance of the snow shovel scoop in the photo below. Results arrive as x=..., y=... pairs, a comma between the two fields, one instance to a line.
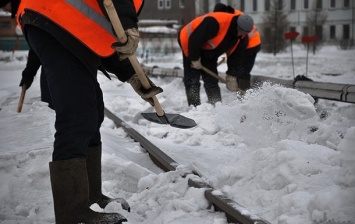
x=175, y=120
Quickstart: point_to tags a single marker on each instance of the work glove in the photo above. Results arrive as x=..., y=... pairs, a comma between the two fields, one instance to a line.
x=146, y=94
x=27, y=78
x=196, y=64
x=127, y=49
x=231, y=83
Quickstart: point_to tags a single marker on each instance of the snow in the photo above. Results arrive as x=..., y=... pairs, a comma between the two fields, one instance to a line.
x=273, y=151
x=158, y=29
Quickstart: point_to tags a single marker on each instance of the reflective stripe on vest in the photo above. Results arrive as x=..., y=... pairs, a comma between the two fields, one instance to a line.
x=254, y=38
x=82, y=18
x=224, y=21
x=252, y=32
x=90, y=11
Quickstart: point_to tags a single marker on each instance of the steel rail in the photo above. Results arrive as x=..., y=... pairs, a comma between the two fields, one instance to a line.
x=323, y=90
x=235, y=212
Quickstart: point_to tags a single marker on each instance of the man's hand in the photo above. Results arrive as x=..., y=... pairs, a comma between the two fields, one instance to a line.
x=146, y=94
x=231, y=83
x=129, y=48
x=27, y=79
x=196, y=64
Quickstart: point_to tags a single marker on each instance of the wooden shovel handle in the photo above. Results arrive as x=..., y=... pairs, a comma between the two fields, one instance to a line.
x=117, y=26
x=22, y=98
x=221, y=61
x=213, y=74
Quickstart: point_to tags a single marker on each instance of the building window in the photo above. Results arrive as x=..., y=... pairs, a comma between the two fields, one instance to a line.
x=255, y=5
x=242, y=5
x=182, y=4
x=167, y=4
x=292, y=29
x=332, y=32
x=160, y=4
x=346, y=3
x=305, y=4
x=346, y=32
x=305, y=31
x=319, y=4
x=332, y=4
x=164, y=4
x=293, y=4
x=267, y=5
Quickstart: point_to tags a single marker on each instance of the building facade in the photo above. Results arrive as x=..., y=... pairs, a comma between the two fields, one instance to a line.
x=181, y=11
x=339, y=24
x=11, y=37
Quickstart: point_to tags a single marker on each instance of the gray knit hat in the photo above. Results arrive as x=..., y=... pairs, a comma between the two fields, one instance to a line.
x=245, y=23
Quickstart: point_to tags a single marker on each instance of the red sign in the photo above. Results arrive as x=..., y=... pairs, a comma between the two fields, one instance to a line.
x=310, y=39
x=291, y=35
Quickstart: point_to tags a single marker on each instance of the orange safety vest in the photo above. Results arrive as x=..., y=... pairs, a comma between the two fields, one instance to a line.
x=254, y=35
x=82, y=18
x=224, y=20
x=254, y=38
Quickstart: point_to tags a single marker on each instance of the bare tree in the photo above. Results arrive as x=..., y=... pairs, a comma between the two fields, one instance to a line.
x=274, y=27
x=316, y=19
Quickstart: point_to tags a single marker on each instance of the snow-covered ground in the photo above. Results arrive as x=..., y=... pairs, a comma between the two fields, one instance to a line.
x=271, y=151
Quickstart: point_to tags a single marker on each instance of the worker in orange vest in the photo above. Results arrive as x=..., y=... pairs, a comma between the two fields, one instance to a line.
x=72, y=39
x=240, y=63
x=202, y=41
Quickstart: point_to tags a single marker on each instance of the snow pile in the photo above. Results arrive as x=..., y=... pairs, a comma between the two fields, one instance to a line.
x=273, y=151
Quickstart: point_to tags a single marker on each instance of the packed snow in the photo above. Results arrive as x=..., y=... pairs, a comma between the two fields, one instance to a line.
x=273, y=151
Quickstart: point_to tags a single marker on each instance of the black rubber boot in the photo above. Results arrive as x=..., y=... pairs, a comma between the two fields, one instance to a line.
x=214, y=95
x=70, y=189
x=93, y=165
x=193, y=96
x=243, y=84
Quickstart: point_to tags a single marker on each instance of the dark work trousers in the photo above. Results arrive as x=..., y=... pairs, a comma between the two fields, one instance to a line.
x=45, y=93
x=76, y=96
x=192, y=76
x=240, y=63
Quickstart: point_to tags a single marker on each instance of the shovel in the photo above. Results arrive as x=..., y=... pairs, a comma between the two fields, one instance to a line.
x=222, y=80
x=22, y=98
x=160, y=117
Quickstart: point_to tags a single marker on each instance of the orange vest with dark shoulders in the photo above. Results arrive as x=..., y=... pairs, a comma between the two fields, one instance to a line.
x=224, y=20
x=82, y=18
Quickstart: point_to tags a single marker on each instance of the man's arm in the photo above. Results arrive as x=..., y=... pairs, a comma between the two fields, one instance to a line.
x=32, y=66
x=207, y=29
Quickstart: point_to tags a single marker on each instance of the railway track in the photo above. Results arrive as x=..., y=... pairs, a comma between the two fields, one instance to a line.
x=322, y=90
x=235, y=212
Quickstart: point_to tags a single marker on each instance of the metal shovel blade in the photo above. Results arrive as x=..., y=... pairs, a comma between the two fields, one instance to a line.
x=175, y=120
